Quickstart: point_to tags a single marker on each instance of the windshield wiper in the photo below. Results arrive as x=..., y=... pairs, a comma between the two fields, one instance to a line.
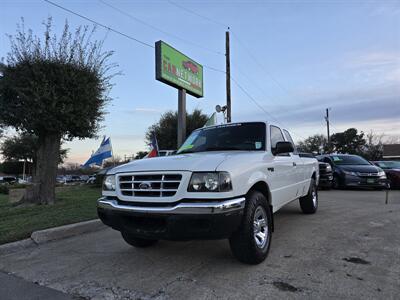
x=185, y=151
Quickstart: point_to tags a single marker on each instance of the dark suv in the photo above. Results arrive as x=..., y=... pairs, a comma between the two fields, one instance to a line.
x=325, y=171
x=354, y=171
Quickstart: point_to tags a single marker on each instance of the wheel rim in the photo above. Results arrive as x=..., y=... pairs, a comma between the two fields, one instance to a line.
x=260, y=226
x=314, y=197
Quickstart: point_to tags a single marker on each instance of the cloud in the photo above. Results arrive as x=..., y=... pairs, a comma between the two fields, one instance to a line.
x=374, y=103
x=374, y=67
x=375, y=59
x=374, y=108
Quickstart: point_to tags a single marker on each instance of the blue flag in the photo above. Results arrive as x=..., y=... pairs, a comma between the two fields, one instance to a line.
x=105, y=151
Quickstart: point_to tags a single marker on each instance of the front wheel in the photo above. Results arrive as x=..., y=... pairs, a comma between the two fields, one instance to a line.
x=336, y=182
x=251, y=242
x=137, y=242
x=309, y=203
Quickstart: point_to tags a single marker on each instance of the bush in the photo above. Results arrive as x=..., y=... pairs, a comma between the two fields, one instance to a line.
x=99, y=180
x=19, y=186
x=4, y=189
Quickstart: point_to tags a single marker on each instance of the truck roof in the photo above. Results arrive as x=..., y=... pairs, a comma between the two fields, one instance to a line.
x=256, y=121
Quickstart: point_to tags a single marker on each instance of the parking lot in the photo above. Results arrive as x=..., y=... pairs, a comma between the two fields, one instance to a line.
x=349, y=249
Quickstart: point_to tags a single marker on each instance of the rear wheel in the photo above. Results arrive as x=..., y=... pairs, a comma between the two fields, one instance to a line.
x=309, y=203
x=251, y=242
x=137, y=242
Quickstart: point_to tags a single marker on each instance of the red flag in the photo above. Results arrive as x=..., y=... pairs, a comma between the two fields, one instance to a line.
x=154, y=148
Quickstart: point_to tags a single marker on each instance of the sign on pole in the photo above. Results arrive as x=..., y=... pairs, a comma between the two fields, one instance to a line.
x=178, y=70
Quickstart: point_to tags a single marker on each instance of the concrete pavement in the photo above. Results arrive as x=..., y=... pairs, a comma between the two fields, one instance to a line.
x=349, y=249
x=12, y=287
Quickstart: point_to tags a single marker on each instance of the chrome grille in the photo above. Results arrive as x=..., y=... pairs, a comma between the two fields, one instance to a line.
x=367, y=174
x=149, y=185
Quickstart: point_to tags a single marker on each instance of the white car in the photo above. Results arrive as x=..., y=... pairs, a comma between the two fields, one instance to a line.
x=225, y=181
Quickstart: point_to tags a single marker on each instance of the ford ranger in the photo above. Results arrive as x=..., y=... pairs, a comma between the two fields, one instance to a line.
x=225, y=182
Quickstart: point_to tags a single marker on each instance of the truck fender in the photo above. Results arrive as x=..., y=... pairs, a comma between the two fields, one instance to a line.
x=262, y=186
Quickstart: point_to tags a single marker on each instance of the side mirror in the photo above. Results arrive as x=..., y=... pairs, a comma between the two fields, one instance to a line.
x=283, y=147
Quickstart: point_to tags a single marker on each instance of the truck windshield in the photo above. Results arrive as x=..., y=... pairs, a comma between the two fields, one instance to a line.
x=227, y=137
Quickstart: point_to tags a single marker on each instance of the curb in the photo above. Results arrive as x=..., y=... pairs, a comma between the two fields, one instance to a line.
x=62, y=232
x=57, y=233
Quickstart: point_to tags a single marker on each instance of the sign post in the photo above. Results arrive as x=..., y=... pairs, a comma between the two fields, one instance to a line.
x=181, y=116
x=178, y=70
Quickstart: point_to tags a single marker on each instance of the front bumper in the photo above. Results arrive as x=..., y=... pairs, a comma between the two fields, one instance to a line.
x=373, y=182
x=214, y=207
x=325, y=181
x=181, y=221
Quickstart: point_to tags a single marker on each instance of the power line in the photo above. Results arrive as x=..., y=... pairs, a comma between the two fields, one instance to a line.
x=159, y=29
x=260, y=65
x=198, y=15
x=151, y=46
x=254, y=83
x=214, y=69
x=118, y=32
x=251, y=98
x=242, y=44
x=256, y=102
x=100, y=24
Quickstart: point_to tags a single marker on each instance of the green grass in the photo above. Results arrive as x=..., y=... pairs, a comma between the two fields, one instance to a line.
x=74, y=204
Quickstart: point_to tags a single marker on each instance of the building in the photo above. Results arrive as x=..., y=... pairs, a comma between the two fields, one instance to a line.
x=391, y=151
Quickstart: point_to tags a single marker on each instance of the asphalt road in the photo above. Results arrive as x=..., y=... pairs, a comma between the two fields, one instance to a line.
x=349, y=249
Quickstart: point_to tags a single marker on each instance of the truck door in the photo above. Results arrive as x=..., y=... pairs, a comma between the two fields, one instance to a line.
x=284, y=189
x=299, y=171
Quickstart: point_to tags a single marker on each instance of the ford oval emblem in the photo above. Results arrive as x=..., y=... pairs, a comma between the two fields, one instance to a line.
x=145, y=186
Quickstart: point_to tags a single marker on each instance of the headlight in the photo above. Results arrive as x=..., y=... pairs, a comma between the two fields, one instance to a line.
x=382, y=174
x=350, y=173
x=210, y=182
x=109, y=183
x=328, y=168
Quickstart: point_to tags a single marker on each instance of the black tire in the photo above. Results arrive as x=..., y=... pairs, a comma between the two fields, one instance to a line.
x=137, y=242
x=309, y=203
x=336, y=182
x=243, y=242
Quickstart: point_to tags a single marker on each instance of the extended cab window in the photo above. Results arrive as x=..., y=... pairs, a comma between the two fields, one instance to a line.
x=238, y=136
x=276, y=136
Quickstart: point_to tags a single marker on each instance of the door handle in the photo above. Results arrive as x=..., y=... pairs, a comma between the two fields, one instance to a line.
x=294, y=164
x=271, y=169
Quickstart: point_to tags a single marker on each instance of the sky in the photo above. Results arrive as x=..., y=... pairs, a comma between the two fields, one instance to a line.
x=291, y=60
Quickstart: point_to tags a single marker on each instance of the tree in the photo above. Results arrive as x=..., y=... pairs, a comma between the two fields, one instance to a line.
x=373, y=149
x=166, y=128
x=141, y=154
x=20, y=147
x=54, y=88
x=114, y=161
x=12, y=167
x=314, y=144
x=348, y=141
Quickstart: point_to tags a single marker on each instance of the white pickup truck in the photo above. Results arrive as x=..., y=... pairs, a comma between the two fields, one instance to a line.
x=226, y=181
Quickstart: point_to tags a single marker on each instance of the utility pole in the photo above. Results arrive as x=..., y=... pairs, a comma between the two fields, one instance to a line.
x=228, y=79
x=327, y=125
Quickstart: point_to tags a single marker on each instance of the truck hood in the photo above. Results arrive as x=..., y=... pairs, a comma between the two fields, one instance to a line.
x=202, y=161
x=360, y=168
